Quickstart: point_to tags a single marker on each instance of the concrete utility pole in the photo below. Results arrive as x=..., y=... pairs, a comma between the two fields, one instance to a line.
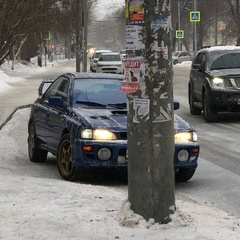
x=150, y=118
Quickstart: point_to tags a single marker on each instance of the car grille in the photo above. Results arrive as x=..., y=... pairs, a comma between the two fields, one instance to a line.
x=232, y=82
x=109, y=69
x=122, y=136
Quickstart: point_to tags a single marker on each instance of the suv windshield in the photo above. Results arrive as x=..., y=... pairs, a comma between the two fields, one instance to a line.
x=219, y=60
x=110, y=58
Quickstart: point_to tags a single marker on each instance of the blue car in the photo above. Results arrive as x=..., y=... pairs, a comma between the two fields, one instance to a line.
x=81, y=118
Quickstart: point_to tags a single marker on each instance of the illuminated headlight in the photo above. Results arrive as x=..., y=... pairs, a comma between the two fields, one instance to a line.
x=217, y=83
x=104, y=154
x=185, y=137
x=97, y=134
x=183, y=155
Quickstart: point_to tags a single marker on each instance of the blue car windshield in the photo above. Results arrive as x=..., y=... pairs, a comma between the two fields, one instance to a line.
x=100, y=93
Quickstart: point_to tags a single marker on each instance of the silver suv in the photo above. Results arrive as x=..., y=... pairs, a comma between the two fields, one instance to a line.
x=94, y=58
x=110, y=63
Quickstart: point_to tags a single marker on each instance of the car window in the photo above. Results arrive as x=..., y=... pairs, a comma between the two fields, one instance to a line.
x=226, y=61
x=60, y=87
x=99, y=91
x=110, y=58
x=198, y=58
x=175, y=54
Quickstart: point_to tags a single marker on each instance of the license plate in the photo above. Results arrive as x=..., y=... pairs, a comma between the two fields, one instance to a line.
x=123, y=159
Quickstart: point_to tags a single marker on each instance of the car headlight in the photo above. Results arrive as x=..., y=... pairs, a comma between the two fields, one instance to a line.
x=217, y=83
x=98, y=134
x=185, y=137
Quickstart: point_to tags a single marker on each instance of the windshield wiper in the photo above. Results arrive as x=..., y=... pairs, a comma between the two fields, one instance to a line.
x=118, y=105
x=94, y=104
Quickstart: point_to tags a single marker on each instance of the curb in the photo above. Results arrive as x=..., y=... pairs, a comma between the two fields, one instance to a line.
x=11, y=115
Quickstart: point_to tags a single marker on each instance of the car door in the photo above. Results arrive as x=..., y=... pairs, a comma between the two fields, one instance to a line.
x=41, y=111
x=199, y=76
x=56, y=116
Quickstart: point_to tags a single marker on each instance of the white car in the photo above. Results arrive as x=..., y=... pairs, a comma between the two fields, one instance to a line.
x=181, y=56
x=110, y=63
x=94, y=58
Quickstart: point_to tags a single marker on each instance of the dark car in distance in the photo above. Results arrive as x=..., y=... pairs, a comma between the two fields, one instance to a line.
x=214, y=82
x=81, y=119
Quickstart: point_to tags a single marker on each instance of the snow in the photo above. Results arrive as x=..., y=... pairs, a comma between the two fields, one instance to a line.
x=35, y=203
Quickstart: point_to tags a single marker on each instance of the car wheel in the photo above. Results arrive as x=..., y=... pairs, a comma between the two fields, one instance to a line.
x=183, y=175
x=175, y=62
x=193, y=109
x=34, y=152
x=209, y=115
x=64, y=160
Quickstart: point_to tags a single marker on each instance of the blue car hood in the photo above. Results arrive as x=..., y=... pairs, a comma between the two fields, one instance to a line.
x=112, y=119
x=115, y=119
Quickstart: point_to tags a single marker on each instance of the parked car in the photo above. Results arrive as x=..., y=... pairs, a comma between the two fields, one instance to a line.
x=82, y=119
x=123, y=55
x=214, y=83
x=181, y=56
x=94, y=58
x=109, y=63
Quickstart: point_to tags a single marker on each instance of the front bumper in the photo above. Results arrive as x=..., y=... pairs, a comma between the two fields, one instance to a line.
x=119, y=154
x=193, y=150
x=109, y=69
x=85, y=158
x=224, y=100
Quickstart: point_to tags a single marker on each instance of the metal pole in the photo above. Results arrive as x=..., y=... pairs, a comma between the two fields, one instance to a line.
x=78, y=41
x=179, y=25
x=215, y=23
x=85, y=31
x=195, y=28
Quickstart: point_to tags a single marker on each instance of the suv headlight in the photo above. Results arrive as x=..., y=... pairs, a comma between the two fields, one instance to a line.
x=217, y=83
x=97, y=134
x=185, y=137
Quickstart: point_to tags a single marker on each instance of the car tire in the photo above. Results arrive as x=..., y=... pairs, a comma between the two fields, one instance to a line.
x=175, y=62
x=64, y=160
x=209, y=115
x=34, y=152
x=193, y=109
x=183, y=175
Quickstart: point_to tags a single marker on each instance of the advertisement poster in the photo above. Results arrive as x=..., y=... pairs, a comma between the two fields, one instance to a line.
x=136, y=11
x=132, y=76
x=133, y=37
x=132, y=70
x=141, y=108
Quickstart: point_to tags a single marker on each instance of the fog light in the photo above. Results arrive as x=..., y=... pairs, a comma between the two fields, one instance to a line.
x=183, y=155
x=104, y=154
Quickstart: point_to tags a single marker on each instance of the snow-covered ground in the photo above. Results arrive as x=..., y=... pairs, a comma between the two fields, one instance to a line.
x=36, y=206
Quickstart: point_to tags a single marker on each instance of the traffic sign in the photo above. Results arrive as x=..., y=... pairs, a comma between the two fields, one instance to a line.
x=179, y=34
x=195, y=16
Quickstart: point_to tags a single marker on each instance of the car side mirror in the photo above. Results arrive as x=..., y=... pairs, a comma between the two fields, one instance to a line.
x=176, y=105
x=56, y=101
x=196, y=66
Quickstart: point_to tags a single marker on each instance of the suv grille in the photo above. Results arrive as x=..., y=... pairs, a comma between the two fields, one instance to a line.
x=232, y=82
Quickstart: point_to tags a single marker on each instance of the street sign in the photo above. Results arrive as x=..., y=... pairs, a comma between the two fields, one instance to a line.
x=179, y=34
x=45, y=35
x=195, y=16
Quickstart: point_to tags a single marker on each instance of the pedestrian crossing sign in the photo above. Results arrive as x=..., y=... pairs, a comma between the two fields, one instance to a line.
x=179, y=34
x=195, y=16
